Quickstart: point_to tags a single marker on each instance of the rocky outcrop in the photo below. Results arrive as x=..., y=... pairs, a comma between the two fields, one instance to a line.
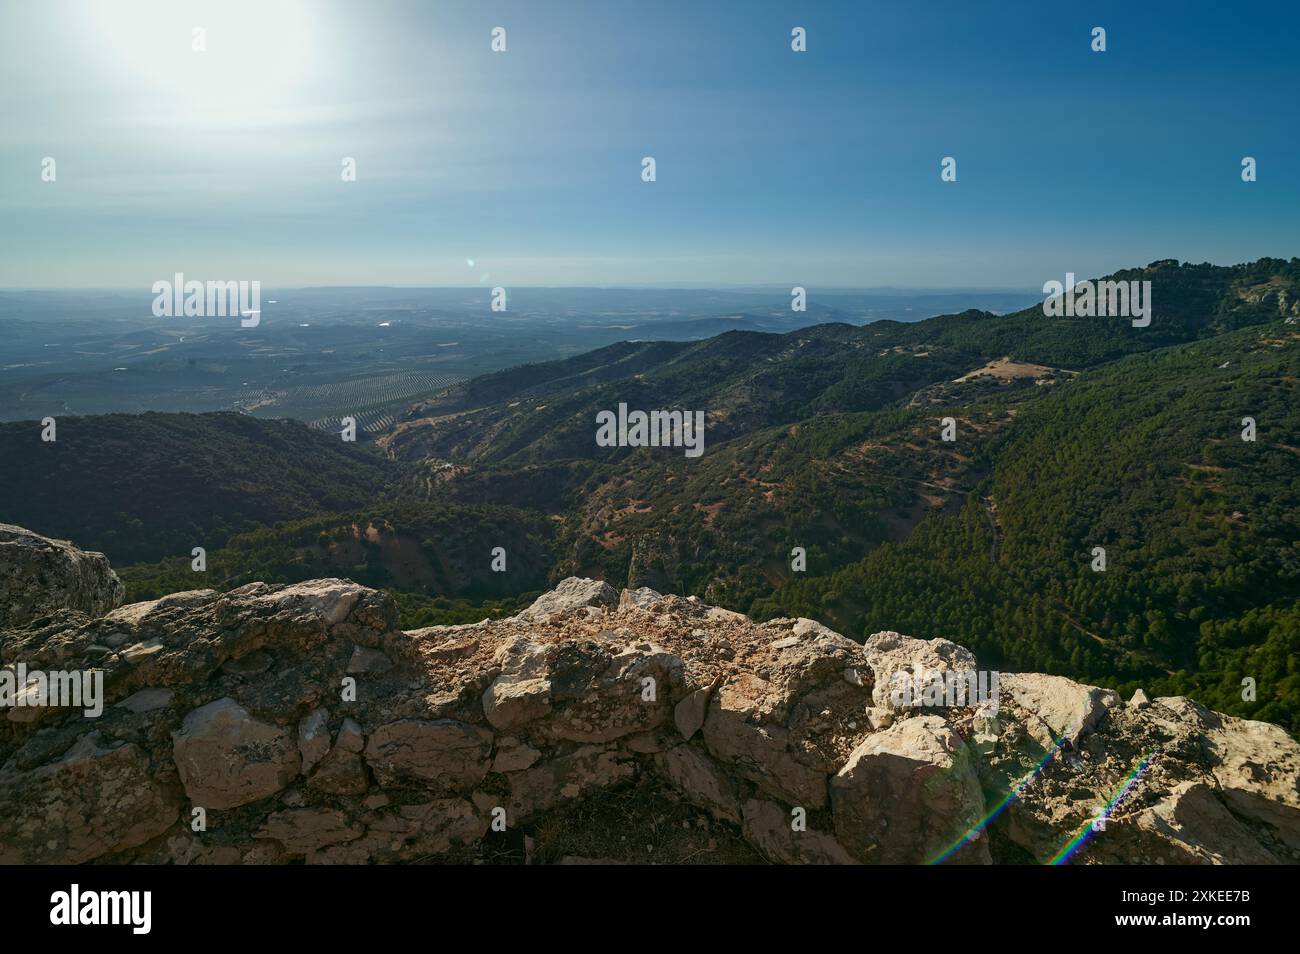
x=908, y=793
x=276, y=724
x=99, y=797
x=39, y=576
x=226, y=758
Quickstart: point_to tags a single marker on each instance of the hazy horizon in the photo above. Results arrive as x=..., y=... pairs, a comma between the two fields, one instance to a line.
x=766, y=289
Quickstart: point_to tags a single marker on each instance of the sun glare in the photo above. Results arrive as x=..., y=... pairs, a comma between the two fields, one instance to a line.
x=208, y=62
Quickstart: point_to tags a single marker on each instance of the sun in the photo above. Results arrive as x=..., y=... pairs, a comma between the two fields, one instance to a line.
x=209, y=62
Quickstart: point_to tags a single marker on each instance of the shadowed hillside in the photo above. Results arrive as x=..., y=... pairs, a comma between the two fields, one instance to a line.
x=148, y=486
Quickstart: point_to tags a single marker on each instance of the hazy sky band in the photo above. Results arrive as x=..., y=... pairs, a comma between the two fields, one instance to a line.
x=773, y=167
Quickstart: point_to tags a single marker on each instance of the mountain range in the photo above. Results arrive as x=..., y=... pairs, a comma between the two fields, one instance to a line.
x=1069, y=435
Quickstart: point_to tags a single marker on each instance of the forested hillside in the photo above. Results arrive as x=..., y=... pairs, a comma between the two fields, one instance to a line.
x=1144, y=458
x=1072, y=434
x=409, y=546
x=149, y=486
x=828, y=442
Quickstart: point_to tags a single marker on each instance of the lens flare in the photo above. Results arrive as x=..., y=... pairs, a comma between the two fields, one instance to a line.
x=1071, y=847
x=973, y=832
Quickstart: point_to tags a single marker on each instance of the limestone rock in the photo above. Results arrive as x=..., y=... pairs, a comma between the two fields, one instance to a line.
x=701, y=780
x=767, y=754
x=810, y=628
x=330, y=600
x=1256, y=766
x=907, y=794
x=1189, y=825
x=581, y=772
x=1054, y=707
x=690, y=712
x=301, y=830
x=407, y=833
x=226, y=758
x=592, y=700
x=39, y=575
x=769, y=828
x=601, y=696
x=893, y=657
x=573, y=593
x=642, y=598
x=452, y=754
x=513, y=755
x=511, y=703
x=351, y=737
x=95, y=800
x=368, y=660
x=147, y=700
x=342, y=771
x=313, y=738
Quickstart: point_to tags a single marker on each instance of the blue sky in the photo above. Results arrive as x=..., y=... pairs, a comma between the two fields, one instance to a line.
x=817, y=168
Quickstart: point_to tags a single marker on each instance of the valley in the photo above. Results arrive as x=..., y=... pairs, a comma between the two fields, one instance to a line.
x=1071, y=434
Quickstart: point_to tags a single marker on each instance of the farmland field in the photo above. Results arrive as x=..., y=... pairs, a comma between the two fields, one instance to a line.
x=373, y=399
x=323, y=354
